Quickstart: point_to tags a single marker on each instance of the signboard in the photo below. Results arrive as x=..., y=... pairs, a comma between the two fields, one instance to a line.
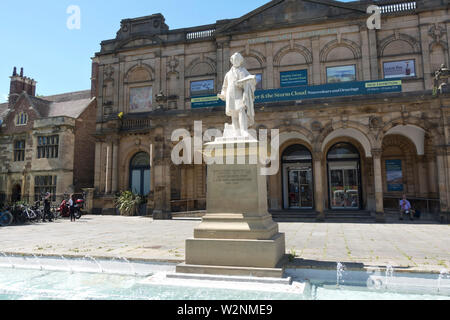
x=310, y=92
x=293, y=78
x=341, y=74
x=328, y=91
x=206, y=102
x=141, y=99
x=394, y=175
x=399, y=69
x=202, y=87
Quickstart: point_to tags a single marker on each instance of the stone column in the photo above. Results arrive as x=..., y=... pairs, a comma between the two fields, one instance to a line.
x=315, y=44
x=115, y=166
x=97, y=174
x=270, y=77
x=318, y=186
x=442, y=172
x=161, y=174
x=432, y=177
x=422, y=176
x=219, y=64
x=181, y=83
x=89, y=205
x=426, y=57
x=157, y=84
x=108, y=168
x=366, y=61
x=378, y=185
x=373, y=54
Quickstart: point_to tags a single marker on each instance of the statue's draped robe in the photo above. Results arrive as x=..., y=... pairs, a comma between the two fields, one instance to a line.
x=240, y=95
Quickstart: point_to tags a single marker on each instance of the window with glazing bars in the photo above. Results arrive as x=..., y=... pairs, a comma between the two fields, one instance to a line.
x=19, y=150
x=42, y=185
x=48, y=147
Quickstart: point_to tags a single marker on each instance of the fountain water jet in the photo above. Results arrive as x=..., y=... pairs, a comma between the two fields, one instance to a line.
x=389, y=275
x=67, y=264
x=39, y=262
x=340, y=273
x=96, y=262
x=130, y=264
x=443, y=275
x=9, y=260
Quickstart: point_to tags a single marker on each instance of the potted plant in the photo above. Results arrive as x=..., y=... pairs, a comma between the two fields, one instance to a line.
x=127, y=203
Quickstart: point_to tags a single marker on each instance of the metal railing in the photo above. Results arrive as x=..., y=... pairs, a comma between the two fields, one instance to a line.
x=136, y=124
x=203, y=34
x=398, y=7
x=187, y=205
x=430, y=207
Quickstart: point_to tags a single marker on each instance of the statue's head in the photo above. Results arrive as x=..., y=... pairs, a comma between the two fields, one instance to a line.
x=237, y=60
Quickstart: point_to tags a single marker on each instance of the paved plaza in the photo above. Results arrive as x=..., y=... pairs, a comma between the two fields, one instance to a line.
x=413, y=246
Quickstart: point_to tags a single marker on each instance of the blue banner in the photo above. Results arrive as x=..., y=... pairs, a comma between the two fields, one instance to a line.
x=394, y=175
x=310, y=92
x=293, y=78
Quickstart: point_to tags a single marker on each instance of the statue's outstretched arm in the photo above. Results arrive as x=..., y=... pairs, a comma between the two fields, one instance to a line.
x=223, y=94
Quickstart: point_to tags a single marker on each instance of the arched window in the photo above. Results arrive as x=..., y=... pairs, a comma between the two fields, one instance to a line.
x=296, y=153
x=343, y=151
x=140, y=174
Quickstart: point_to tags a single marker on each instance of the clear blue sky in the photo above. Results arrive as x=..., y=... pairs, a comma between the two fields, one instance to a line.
x=34, y=34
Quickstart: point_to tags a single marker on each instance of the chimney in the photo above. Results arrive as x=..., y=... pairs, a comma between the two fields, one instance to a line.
x=20, y=84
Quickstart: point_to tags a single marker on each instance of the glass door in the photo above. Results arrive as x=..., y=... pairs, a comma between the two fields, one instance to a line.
x=300, y=190
x=344, y=185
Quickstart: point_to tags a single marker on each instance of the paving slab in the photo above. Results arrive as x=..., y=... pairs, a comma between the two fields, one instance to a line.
x=421, y=247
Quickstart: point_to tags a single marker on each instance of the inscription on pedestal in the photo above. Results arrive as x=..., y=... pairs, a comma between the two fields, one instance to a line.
x=232, y=188
x=232, y=176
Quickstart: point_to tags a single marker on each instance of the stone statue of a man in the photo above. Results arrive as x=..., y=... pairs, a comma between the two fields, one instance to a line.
x=239, y=93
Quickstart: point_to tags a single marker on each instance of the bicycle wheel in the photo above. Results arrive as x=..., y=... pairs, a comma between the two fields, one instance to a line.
x=6, y=219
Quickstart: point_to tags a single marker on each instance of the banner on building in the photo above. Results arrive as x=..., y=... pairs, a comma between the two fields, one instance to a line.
x=394, y=175
x=399, y=69
x=293, y=78
x=310, y=92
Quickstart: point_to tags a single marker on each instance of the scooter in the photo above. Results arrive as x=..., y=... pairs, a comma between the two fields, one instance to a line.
x=64, y=209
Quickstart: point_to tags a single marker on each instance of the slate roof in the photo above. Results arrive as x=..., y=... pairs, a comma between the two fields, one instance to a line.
x=70, y=104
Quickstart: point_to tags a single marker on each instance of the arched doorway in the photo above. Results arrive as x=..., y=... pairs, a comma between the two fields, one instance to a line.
x=16, y=194
x=298, y=190
x=344, y=177
x=140, y=174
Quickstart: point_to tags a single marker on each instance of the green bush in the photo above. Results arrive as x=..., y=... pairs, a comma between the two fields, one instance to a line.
x=127, y=203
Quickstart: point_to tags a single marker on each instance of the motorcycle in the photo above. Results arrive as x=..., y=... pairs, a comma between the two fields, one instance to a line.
x=64, y=209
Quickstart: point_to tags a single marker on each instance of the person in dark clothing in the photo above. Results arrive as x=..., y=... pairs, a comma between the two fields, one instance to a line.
x=72, y=208
x=47, y=202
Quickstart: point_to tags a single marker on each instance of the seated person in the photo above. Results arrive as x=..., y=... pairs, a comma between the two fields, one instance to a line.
x=405, y=208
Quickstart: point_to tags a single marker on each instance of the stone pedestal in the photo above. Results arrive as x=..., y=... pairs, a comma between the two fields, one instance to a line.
x=237, y=236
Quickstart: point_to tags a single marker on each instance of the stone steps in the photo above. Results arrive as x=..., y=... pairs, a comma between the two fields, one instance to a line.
x=330, y=216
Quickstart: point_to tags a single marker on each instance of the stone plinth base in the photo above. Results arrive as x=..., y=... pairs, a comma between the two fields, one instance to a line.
x=236, y=226
x=237, y=236
x=235, y=252
x=231, y=271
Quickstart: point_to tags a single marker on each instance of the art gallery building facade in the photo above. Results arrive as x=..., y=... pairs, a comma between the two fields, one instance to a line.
x=358, y=124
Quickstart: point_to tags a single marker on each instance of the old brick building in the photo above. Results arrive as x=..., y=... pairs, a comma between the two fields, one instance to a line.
x=358, y=123
x=46, y=143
